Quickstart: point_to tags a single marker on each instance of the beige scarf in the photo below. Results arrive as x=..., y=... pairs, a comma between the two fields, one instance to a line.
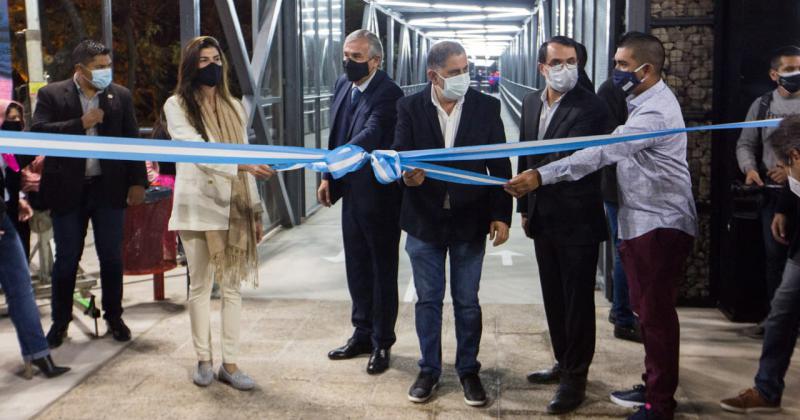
x=233, y=252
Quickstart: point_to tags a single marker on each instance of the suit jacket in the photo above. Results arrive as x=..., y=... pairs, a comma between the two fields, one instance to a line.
x=202, y=195
x=569, y=212
x=59, y=111
x=472, y=208
x=372, y=128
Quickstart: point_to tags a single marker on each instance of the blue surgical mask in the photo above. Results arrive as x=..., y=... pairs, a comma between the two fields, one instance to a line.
x=626, y=80
x=101, y=78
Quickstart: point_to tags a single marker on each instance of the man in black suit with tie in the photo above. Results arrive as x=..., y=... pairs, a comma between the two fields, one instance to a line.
x=364, y=114
x=79, y=190
x=565, y=220
x=447, y=218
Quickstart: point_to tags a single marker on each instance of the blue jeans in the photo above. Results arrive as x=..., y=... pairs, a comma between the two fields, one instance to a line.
x=428, y=267
x=69, y=231
x=780, y=335
x=774, y=252
x=16, y=281
x=621, y=306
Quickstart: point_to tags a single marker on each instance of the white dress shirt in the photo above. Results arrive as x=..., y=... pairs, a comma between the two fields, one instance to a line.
x=449, y=124
x=88, y=104
x=547, y=113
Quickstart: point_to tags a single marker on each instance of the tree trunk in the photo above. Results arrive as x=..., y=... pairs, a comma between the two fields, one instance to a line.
x=74, y=18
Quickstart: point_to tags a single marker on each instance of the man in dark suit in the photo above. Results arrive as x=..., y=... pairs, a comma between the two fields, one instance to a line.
x=364, y=114
x=565, y=220
x=77, y=190
x=442, y=218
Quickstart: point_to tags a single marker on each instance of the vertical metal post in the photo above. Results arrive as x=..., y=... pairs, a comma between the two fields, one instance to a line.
x=637, y=15
x=367, y=17
x=108, y=37
x=190, y=20
x=33, y=48
x=293, y=97
x=389, y=50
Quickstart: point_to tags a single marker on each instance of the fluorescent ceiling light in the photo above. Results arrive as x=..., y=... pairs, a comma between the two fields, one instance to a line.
x=481, y=62
x=517, y=10
x=459, y=7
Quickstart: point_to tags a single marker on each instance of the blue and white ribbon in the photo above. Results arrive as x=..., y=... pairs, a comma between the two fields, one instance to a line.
x=387, y=165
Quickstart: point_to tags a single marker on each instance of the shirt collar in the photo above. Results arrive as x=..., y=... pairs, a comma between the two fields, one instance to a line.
x=635, y=101
x=363, y=87
x=436, y=103
x=546, y=103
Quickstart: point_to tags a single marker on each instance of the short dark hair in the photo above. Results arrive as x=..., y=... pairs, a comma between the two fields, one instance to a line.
x=558, y=39
x=583, y=55
x=87, y=50
x=645, y=48
x=785, y=51
x=786, y=137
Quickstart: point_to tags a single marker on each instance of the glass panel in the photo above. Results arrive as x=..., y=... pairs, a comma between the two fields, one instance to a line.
x=588, y=37
x=270, y=190
x=601, y=42
x=309, y=28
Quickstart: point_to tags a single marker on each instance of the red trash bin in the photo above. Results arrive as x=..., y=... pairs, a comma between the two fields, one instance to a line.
x=148, y=247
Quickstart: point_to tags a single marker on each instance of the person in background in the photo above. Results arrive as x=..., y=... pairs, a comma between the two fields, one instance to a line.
x=216, y=207
x=15, y=280
x=565, y=220
x=364, y=114
x=583, y=78
x=783, y=321
x=626, y=326
x=444, y=219
x=20, y=211
x=79, y=190
x=766, y=172
x=658, y=231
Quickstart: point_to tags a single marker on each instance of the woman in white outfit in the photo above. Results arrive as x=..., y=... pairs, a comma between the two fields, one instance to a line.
x=216, y=208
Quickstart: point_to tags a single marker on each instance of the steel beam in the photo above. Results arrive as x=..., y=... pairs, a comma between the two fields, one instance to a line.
x=189, y=20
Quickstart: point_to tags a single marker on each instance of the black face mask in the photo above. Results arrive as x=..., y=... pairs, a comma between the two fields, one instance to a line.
x=11, y=125
x=210, y=75
x=790, y=83
x=356, y=71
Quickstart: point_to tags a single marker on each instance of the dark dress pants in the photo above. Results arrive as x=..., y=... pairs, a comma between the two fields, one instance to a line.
x=567, y=273
x=69, y=231
x=371, y=246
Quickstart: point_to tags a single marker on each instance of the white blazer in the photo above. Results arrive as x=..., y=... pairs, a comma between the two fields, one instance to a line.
x=202, y=195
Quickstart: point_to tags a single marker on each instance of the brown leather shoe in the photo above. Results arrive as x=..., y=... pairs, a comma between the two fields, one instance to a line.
x=749, y=401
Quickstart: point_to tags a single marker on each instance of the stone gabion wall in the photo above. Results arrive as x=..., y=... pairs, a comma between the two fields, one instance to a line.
x=689, y=72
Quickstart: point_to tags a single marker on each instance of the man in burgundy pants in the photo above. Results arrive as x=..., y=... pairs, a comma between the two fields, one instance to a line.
x=657, y=217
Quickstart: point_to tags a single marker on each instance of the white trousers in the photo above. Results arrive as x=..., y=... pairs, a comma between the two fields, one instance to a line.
x=198, y=259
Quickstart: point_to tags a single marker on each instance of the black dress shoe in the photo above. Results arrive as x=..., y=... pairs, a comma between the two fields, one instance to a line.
x=423, y=388
x=56, y=335
x=350, y=350
x=567, y=398
x=628, y=333
x=50, y=370
x=119, y=330
x=378, y=361
x=474, y=394
x=546, y=376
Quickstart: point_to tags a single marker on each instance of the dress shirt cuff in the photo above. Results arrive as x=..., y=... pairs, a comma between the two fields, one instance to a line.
x=547, y=174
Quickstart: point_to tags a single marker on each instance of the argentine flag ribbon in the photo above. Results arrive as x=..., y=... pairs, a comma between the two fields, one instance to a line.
x=387, y=165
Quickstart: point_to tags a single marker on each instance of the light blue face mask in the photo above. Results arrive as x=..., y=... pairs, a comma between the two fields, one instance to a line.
x=101, y=78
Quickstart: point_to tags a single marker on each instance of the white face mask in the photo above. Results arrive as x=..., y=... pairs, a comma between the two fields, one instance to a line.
x=562, y=78
x=455, y=87
x=794, y=184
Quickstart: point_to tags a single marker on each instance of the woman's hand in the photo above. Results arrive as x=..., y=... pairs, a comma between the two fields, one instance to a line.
x=259, y=171
x=259, y=231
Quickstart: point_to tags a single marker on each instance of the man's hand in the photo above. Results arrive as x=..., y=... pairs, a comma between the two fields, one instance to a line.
x=25, y=210
x=92, y=118
x=259, y=171
x=524, y=222
x=779, y=228
x=753, y=177
x=135, y=195
x=523, y=183
x=414, y=178
x=778, y=174
x=498, y=232
x=324, y=193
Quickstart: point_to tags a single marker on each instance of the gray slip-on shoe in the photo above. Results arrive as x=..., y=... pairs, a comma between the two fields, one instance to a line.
x=203, y=374
x=238, y=380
